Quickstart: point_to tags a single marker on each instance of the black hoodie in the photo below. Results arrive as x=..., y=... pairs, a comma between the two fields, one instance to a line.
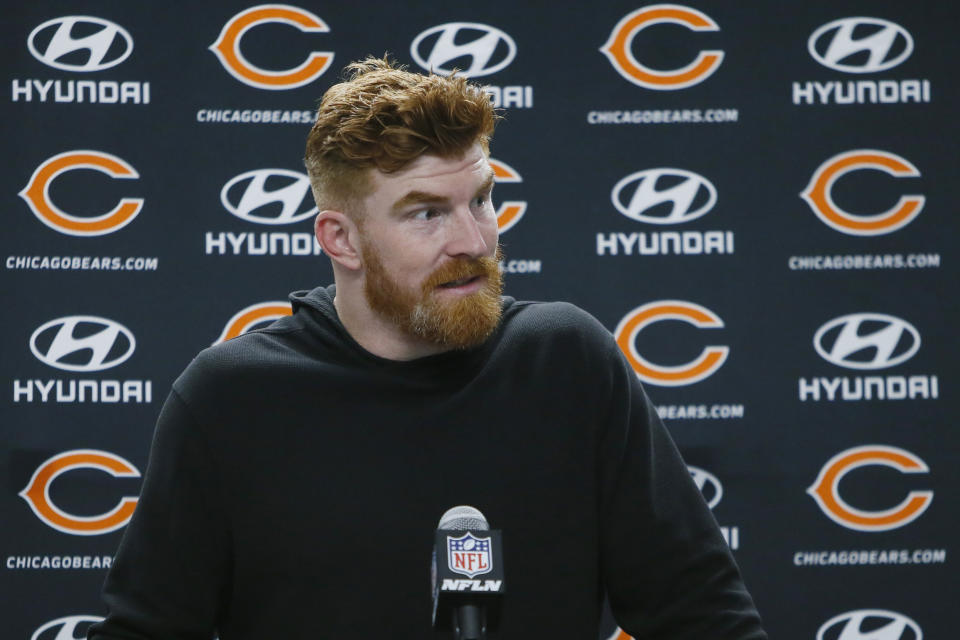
x=295, y=482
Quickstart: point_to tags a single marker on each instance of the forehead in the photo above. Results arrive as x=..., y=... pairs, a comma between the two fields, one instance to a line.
x=435, y=174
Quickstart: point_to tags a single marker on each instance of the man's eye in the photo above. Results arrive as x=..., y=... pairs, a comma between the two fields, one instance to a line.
x=426, y=214
x=481, y=201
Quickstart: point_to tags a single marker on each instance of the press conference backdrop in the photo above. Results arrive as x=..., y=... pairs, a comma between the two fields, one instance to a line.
x=758, y=199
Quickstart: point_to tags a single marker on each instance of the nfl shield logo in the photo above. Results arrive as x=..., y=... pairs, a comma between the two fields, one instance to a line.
x=468, y=555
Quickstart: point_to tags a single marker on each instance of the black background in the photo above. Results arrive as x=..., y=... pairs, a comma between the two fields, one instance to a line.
x=758, y=164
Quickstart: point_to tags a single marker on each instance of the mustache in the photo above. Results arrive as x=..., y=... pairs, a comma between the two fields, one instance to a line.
x=464, y=268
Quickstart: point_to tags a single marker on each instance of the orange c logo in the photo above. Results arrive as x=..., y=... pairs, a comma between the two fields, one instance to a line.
x=247, y=318
x=618, y=48
x=705, y=365
x=227, y=47
x=37, y=194
x=510, y=211
x=817, y=193
x=826, y=488
x=37, y=493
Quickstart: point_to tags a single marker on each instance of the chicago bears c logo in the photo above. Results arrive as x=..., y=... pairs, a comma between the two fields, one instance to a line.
x=37, y=492
x=510, y=211
x=227, y=47
x=37, y=194
x=248, y=318
x=618, y=48
x=818, y=196
x=709, y=361
x=826, y=489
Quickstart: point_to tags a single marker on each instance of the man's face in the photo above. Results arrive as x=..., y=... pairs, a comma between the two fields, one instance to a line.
x=430, y=255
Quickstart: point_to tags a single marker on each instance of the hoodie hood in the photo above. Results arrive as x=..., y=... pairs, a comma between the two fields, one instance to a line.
x=316, y=311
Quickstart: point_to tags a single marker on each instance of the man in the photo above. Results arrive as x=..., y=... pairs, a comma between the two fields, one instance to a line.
x=298, y=472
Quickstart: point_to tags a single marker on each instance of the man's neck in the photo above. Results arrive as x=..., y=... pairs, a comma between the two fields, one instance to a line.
x=377, y=334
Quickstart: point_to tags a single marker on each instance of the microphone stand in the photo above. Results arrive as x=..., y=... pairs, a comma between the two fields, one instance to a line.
x=470, y=622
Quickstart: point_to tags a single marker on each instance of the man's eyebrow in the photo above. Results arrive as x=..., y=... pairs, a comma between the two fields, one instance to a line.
x=420, y=197
x=488, y=183
x=417, y=197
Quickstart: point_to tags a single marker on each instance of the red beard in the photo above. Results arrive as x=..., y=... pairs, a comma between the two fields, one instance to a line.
x=459, y=324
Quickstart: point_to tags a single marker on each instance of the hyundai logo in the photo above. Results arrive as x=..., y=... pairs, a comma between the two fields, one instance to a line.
x=103, y=44
x=866, y=341
x=688, y=194
x=288, y=189
x=66, y=628
x=446, y=48
x=870, y=624
x=82, y=343
x=860, y=45
x=708, y=484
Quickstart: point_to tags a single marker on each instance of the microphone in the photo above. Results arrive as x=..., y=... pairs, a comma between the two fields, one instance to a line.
x=466, y=549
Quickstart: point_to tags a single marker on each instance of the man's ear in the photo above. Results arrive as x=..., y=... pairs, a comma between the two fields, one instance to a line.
x=338, y=236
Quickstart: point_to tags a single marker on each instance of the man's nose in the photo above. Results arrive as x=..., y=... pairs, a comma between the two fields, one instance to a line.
x=467, y=236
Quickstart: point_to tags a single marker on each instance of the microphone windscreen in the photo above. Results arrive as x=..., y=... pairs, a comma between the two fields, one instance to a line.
x=463, y=518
